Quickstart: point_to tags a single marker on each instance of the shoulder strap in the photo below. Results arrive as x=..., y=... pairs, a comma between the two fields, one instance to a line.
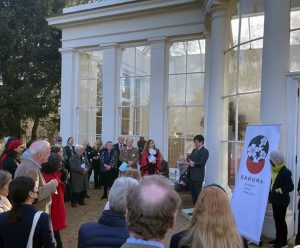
x=34, y=223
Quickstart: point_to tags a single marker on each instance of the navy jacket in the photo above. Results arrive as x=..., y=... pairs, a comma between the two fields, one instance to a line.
x=15, y=235
x=285, y=182
x=199, y=156
x=110, y=231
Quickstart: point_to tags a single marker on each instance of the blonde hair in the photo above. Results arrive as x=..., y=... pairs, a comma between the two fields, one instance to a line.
x=212, y=224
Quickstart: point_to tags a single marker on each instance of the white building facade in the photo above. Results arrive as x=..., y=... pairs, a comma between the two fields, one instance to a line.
x=170, y=69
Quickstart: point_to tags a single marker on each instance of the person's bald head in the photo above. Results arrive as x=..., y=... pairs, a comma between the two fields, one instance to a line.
x=152, y=208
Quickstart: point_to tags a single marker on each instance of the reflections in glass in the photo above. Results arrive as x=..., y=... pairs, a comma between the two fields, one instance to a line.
x=194, y=121
x=249, y=112
x=250, y=70
x=177, y=59
x=195, y=89
x=177, y=89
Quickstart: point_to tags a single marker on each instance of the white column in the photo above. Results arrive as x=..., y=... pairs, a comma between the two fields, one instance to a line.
x=158, y=95
x=216, y=168
x=67, y=120
x=111, y=72
x=275, y=65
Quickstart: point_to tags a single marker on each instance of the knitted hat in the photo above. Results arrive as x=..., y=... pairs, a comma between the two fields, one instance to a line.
x=14, y=144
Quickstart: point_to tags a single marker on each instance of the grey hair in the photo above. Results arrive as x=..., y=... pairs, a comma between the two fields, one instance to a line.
x=277, y=157
x=129, y=138
x=39, y=146
x=118, y=193
x=5, y=177
x=78, y=147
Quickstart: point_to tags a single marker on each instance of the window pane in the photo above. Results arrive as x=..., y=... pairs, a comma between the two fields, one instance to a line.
x=176, y=148
x=234, y=31
x=84, y=65
x=99, y=122
x=141, y=90
x=83, y=120
x=195, y=121
x=250, y=70
x=177, y=59
x=295, y=19
x=126, y=85
x=135, y=121
x=177, y=89
x=249, y=111
x=95, y=63
x=143, y=60
x=295, y=51
x=126, y=113
x=256, y=26
x=141, y=121
x=177, y=118
x=128, y=62
x=195, y=88
x=83, y=93
x=231, y=72
x=231, y=106
x=196, y=56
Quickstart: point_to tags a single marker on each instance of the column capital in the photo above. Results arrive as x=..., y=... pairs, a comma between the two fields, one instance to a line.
x=66, y=50
x=211, y=5
x=214, y=9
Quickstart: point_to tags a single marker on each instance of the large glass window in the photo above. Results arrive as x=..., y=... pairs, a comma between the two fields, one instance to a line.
x=242, y=77
x=295, y=36
x=89, y=96
x=135, y=91
x=185, y=96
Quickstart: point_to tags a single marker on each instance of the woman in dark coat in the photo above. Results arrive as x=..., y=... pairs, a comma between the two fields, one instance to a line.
x=281, y=186
x=79, y=174
x=108, y=165
x=15, y=225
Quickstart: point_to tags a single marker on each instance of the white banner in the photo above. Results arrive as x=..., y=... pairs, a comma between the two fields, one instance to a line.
x=252, y=184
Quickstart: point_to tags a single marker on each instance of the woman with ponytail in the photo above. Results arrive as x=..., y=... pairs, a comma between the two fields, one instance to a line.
x=17, y=228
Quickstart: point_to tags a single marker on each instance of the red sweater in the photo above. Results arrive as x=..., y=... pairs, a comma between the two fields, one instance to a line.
x=58, y=210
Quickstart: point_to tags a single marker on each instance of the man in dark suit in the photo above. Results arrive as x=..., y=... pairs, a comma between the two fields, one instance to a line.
x=196, y=170
x=117, y=147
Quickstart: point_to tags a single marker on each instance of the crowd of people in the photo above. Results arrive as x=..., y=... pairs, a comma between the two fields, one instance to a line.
x=142, y=203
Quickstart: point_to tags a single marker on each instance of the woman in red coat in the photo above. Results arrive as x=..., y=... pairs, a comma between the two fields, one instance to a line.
x=50, y=170
x=151, y=159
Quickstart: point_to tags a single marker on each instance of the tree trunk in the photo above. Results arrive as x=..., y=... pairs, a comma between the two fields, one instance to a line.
x=35, y=128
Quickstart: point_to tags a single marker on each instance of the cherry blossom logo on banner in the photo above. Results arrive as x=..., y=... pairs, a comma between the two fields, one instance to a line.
x=257, y=151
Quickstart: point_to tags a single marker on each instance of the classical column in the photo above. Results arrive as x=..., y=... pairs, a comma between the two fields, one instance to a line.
x=111, y=78
x=67, y=121
x=158, y=94
x=275, y=65
x=216, y=168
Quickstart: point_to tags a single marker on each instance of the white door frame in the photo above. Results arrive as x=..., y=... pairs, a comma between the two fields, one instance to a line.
x=293, y=136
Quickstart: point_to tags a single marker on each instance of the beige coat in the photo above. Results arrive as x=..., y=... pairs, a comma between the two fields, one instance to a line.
x=132, y=154
x=4, y=204
x=29, y=169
